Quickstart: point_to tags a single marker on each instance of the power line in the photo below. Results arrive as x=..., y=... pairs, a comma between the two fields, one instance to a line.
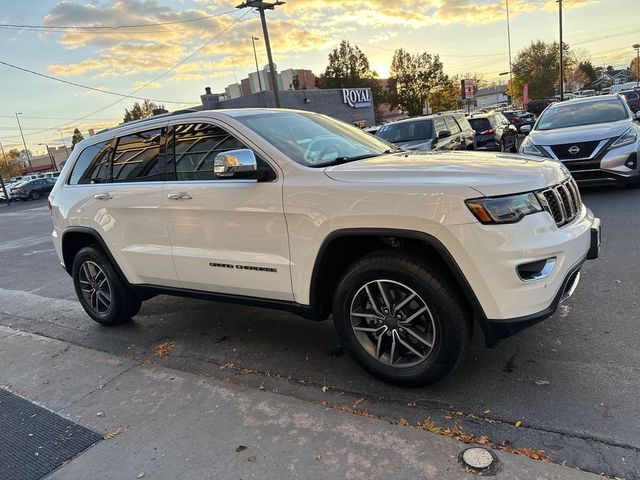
x=195, y=52
x=94, y=89
x=112, y=27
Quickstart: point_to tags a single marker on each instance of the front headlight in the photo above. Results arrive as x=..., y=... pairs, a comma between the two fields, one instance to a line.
x=627, y=138
x=509, y=209
x=529, y=148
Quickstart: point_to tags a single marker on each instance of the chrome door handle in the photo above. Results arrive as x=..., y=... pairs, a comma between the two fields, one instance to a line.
x=103, y=196
x=179, y=196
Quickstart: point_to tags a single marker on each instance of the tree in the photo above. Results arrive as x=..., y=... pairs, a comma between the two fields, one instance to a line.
x=139, y=111
x=446, y=96
x=587, y=68
x=9, y=165
x=575, y=79
x=296, y=82
x=349, y=68
x=539, y=66
x=77, y=137
x=412, y=78
x=634, y=69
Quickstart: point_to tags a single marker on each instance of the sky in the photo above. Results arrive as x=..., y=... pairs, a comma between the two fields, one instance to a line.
x=171, y=63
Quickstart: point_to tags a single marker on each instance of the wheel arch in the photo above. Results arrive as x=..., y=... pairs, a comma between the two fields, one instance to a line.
x=331, y=262
x=76, y=238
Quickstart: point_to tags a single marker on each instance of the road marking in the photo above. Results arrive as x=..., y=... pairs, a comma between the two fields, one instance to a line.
x=31, y=211
x=35, y=252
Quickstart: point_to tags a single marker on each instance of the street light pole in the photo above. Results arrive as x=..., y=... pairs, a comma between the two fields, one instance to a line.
x=510, y=67
x=255, y=56
x=261, y=6
x=561, y=53
x=637, y=47
x=26, y=150
x=64, y=143
x=4, y=188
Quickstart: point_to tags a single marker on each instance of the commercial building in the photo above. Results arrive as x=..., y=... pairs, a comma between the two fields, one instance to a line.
x=48, y=162
x=491, y=96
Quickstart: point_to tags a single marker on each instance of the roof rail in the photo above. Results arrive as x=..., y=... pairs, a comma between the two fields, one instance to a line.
x=146, y=119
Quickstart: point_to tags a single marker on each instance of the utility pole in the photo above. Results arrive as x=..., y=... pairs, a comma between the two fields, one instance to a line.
x=510, y=67
x=51, y=157
x=4, y=189
x=261, y=6
x=637, y=47
x=561, y=53
x=255, y=56
x=64, y=143
x=26, y=150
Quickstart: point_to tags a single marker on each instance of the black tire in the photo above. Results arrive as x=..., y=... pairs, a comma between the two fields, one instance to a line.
x=123, y=304
x=34, y=195
x=451, y=317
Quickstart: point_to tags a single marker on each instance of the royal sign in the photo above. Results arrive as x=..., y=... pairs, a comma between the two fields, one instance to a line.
x=356, y=97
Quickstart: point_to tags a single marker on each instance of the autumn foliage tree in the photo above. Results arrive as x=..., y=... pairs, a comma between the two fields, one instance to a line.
x=412, y=78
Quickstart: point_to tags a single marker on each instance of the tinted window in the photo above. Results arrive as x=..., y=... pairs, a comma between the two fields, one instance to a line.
x=139, y=157
x=452, y=126
x=81, y=172
x=406, y=131
x=440, y=125
x=480, y=124
x=630, y=95
x=587, y=113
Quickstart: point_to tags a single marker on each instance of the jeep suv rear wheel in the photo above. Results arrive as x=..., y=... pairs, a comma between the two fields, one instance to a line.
x=401, y=319
x=101, y=291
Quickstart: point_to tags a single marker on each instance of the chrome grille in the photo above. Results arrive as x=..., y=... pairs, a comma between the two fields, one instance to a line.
x=561, y=201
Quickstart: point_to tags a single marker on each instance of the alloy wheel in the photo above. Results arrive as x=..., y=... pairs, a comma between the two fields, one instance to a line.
x=393, y=323
x=95, y=287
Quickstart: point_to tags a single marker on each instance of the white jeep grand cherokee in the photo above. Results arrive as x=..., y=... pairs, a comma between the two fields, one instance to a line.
x=296, y=211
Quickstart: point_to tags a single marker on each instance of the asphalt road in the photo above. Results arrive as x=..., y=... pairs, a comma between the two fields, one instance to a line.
x=570, y=383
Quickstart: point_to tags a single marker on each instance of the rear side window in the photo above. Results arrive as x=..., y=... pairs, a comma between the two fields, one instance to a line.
x=139, y=157
x=92, y=165
x=439, y=125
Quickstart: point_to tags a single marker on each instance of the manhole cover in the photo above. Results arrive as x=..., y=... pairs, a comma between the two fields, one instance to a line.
x=478, y=458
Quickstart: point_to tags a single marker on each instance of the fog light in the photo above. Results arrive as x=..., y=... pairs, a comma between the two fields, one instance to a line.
x=537, y=270
x=632, y=161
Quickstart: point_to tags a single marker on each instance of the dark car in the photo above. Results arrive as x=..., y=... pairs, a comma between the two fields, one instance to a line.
x=519, y=118
x=33, y=189
x=633, y=99
x=494, y=132
x=443, y=131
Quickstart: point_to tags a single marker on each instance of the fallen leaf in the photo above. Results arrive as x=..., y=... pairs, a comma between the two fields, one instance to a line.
x=358, y=402
x=518, y=423
x=487, y=411
x=117, y=431
x=241, y=448
x=403, y=422
x=164, y=349
x=251, y=458
x=541, y=382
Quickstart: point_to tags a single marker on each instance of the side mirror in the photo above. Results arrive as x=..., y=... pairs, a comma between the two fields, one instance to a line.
x=637, y=115
x=227, y=164
x=526, y=129
x=444, y=133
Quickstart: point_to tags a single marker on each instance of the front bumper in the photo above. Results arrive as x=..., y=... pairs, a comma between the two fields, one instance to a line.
x=489, y=257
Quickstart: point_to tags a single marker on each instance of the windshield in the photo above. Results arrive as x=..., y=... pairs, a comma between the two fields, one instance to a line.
x=406, y=131
x=584, y=113
x=315, y=140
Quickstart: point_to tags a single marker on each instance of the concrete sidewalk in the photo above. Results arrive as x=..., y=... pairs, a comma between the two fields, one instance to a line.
x=176, y=425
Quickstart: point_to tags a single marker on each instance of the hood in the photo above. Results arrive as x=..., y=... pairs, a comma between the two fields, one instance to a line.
x=489, y=174
x=582, y=133
x=423, y=145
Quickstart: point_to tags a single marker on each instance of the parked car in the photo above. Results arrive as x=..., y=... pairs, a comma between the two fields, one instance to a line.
x=49, y=175
x=596, y=138
x=633, y=99
x=519, y=118
x=32, y=189
x=537, y=106
x=297, y=211
x=432, y=132
x=605, y=91
x=494, y=132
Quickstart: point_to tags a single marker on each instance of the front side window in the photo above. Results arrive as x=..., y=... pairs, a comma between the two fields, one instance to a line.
x=139, y=157
x=93, y=165
x=586, y=113
x=315, y=140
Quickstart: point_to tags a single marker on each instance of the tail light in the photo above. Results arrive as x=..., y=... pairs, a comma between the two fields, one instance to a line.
x=491, y=131
x=515, y=119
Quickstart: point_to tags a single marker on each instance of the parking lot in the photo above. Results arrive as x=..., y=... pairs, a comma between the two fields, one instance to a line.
x=569, y=384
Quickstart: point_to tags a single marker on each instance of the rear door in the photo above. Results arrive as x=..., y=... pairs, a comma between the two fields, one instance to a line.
x=456, y=133
x=229, y=235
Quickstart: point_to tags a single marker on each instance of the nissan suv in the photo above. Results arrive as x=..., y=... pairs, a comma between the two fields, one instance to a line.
x=296, y=211
x=596, y=138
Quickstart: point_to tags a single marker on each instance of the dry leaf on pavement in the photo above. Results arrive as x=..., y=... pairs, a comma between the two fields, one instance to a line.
x=164, y=349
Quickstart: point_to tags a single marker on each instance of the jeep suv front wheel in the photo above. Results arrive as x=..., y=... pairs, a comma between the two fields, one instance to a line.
x=401, y=319
x=101, y=291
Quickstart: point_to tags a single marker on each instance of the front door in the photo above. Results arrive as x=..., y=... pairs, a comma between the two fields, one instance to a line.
x=228, y=234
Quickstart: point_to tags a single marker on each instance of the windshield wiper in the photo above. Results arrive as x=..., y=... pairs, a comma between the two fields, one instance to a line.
x=341, y=160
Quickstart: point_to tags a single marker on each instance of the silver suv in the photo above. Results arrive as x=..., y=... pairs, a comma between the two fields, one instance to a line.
x=596, y=138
